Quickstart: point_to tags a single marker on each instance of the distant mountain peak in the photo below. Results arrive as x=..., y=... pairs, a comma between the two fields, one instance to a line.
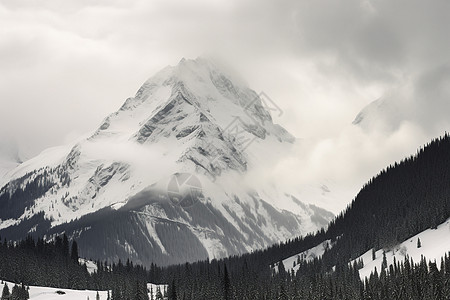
x=383, y=114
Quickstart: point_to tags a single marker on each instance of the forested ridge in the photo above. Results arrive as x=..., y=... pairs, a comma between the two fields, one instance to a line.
x=401, y=201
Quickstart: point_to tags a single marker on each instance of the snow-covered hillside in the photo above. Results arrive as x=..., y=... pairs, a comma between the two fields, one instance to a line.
x=48, y=293
x=435, y=243
x=193, y=118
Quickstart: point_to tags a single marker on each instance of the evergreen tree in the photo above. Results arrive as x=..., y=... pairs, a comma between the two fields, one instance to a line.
x=419, y=244
x=384, y=263
x=116, y=293
x=226, y=284
x=74, y=253
x=15, y=293
x=281, y=269
x=140, y=292
x=23, y=293
x=65, y=246
x=5, y=293
x=173, y=291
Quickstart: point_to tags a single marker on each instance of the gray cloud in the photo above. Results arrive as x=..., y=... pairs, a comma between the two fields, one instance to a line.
x=373, y=37
x=66, y=65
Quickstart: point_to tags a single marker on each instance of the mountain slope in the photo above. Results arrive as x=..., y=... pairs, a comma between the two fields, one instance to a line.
x=113, y=191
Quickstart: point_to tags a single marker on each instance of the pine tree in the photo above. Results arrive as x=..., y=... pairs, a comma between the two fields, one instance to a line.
x=116, y=293
x=23, y=293
x=5, y=293
x=74, y=253
x=384, y=263
x=173, y=291
x=419, y=244
x=15, y=293
x=140, y=292
x=282, y=295
x=226, y=284
x=281, y=269
x=97, y=297
x=65, y=246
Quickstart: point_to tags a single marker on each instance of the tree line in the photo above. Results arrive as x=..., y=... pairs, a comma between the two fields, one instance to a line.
x=55, y=263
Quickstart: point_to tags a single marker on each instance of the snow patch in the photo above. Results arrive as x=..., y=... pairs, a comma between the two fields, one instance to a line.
x=292, y=263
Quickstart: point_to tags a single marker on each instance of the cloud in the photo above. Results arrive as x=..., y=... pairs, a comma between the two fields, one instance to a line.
x=343, y=164
x=66, y=65
x=374, y=39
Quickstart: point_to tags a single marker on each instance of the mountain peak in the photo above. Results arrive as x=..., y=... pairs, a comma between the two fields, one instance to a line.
x=193, y=118
x=196, y=87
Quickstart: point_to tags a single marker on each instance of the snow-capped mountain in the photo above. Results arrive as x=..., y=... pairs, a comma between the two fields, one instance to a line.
x=165, y=178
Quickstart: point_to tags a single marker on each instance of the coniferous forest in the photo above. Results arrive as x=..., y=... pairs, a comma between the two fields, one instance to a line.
x=56, y=264
x=401, y=201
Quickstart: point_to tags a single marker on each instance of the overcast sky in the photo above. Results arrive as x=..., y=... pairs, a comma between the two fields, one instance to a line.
x=65, y=65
